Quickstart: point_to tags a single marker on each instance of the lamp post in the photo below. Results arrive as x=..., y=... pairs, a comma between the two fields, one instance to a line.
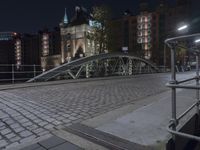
x=179, y=29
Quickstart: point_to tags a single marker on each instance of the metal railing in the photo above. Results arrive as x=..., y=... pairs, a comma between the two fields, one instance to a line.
x=106, y=64
x=174, y=84
x=102, y=65
x=12, y=73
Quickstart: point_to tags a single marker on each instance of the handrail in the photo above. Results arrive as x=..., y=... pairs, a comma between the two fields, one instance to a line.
x=181, y=134
x=186, y=80
x=181, y=37
x=9, y=73
x=187, y=111
x=174, y=84
x=183, y=86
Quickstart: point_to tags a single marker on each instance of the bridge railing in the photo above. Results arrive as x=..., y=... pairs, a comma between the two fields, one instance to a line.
x=102, y=65
x=174, y=84
x=105, y=64
x=12, y=73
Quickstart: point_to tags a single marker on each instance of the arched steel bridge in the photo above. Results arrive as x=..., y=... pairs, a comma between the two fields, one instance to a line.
x=108, y=64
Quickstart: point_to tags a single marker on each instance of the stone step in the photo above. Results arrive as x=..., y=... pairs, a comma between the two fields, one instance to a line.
x=101, y=138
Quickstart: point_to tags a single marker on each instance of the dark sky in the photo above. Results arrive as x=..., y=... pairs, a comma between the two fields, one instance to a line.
x=32, y=15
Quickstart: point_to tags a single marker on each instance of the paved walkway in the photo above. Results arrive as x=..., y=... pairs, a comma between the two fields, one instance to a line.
x=53, y=143
x=33, y=112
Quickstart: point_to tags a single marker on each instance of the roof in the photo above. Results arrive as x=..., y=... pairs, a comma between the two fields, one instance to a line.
x=81, y=17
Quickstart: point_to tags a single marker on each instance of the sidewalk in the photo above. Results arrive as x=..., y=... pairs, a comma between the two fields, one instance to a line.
x=145, y=126
x=140, y=126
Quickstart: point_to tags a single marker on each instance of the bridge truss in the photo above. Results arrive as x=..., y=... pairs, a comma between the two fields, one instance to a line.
x=99, y=66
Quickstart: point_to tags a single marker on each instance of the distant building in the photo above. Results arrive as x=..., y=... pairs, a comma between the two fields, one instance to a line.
x=70, y=42
x=7, y=47
x=148, y=32
x=177, y=16
x=139, y=33
x=74, y=35
x=144, y=34
x=27, y=50
x=50, y=49
x=7, y=54
x=124, y=34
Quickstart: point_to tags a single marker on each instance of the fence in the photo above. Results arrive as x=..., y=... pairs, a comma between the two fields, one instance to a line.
x=12, y=73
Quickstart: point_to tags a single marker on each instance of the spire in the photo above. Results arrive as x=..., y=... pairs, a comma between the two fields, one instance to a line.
x=65, y=17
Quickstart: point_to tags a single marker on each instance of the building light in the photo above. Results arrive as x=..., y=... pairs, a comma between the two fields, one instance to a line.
x=18, y=51
x=45, y=43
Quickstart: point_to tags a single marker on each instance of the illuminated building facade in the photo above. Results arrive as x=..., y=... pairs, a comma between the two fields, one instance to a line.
x=45, y=44
x=139, y=33
x=74, y=41
x=27, y=50
x=69, y=42
x=144, y=33
x=50, y=49
x=148, y=31
x=7, y=53
x=18, y=53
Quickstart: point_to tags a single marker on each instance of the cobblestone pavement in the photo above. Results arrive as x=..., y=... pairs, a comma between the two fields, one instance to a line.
x=29, y=113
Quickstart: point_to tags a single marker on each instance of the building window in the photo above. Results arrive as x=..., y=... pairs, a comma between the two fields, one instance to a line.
x=45, y=44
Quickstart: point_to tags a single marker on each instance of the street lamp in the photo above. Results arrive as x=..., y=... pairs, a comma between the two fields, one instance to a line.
x=179, y=29
x=182, y=27
x=197, y=41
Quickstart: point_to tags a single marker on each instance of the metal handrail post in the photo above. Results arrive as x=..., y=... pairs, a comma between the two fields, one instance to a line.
x=164, y=63
x=173, y=81
x=13, y=74
x=197, y=82
x=34, y=70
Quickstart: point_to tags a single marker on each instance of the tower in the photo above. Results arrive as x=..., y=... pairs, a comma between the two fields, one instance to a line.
x=65, y=20
x=74, y=35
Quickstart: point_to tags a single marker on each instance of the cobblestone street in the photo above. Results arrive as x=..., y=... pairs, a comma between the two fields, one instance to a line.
x=32, y=112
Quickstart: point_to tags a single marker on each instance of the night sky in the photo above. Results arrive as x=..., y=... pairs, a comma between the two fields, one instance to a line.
x=33, y=15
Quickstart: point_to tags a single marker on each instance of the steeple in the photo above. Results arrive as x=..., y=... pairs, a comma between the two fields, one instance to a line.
x=65, y=17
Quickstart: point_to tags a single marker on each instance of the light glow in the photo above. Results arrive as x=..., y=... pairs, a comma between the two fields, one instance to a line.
x=182, y=27
x=197, y=41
